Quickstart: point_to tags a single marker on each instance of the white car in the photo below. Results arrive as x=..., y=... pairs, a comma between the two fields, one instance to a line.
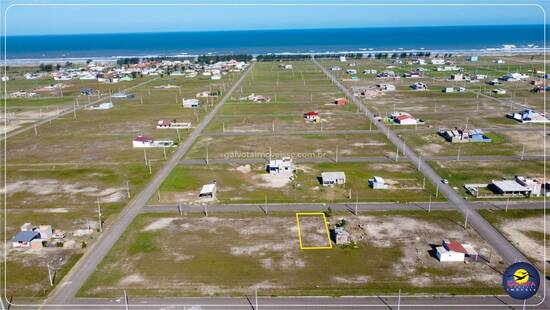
x=445, y=181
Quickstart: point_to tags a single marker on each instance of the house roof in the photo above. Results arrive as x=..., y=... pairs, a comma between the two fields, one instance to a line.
x=455, y=246
x=333, y=175
x=313, y=113
x=510, y=186
x=25, y=236
x=403, y=117
x=143, y=139
x=208, y=188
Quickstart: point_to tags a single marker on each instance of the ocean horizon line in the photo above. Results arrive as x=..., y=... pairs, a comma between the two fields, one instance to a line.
x=277, y=29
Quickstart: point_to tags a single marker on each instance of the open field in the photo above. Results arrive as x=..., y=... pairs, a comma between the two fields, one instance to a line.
x=251, y=184
x=58, y=176
x=233, y=255
x=525, y=229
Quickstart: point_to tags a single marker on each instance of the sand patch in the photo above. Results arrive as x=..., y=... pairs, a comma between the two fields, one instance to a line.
x=276, y=180
x=159, y=224
x=135, y=278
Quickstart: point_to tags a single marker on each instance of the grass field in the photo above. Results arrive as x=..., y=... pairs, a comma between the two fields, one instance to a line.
x=251, y=184
x=233, y=255
x=58, y=176
x=525, y=229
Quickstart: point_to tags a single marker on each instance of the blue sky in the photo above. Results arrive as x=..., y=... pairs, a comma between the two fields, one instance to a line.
x=39, y=20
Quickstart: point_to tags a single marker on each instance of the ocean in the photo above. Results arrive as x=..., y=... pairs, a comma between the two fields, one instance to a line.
x=452, y=38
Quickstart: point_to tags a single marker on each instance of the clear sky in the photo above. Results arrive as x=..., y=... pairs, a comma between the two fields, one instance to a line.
x=38, y=20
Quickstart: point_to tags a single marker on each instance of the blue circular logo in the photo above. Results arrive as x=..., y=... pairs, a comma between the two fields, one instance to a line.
x=521, y=280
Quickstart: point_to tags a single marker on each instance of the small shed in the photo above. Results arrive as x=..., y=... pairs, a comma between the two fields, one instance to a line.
x=333, y=178
x=378, y=183
x=341, y=101
x=190, y=103
x=208, y=191
x=280, y=165
x=312, y=116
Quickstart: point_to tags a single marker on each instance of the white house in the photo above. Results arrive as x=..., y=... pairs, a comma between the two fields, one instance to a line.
x=172, y=124
x=342, y=58
x=403, y=118
x=419, y=86
x=288, y=67
x=208, y=191
x=190, y=103
x=281, y=165
x=386, y=87
x=378, y=183
x=445, y=255
x=142, y=141
x=529, y=116
x=102, y=106
x=333, y=178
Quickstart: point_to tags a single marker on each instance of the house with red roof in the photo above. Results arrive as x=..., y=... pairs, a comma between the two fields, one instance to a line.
x=312, y=116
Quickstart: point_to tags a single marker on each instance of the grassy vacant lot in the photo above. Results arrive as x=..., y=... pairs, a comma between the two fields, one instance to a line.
x=368, y=145
x=233, y=255
x=471, y=172
x=433, y=144
x=251, y=184
x=525, y=229
x=57, y=177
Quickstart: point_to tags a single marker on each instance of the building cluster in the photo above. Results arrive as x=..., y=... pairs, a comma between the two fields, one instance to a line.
x=461, y=135
x=404, y=118
x=519, y=186
x=529, y=116
x=35, y=237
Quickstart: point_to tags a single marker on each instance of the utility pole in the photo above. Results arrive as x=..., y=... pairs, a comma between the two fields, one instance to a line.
x=126, y=300
x=149, y=165
x=507, y=203
x=256, y=295
x=178, y=206
x=336, y=157
x=399, y=300
x=424, y=183
x=178, y=133
x=128, y=188
x=458, y=154
x=466, y=219
x=158, y=195
x=522, y=151
x=396, y=153
x=145, y=157
x=35, y=130
x=206, y=209
x=419, y=162
x=164, y=151
x=99, y=216
x=356, y=202
x=265, y=205
x=430, y=204
x=51, y=274
x=207, y=154
x=437, y=190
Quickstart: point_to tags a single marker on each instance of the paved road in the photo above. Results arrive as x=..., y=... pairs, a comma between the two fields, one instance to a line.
x=243, y=161
x=348, y=207
x=71, y=283
x=51, y=118
x=505, y=249
x=251, y=303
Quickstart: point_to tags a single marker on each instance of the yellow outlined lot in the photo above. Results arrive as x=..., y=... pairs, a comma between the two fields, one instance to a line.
x=298, y=214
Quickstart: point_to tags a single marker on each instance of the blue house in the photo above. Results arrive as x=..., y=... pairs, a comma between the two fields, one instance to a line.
x=472, y=58
x=476, y=135
x=23, y=238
